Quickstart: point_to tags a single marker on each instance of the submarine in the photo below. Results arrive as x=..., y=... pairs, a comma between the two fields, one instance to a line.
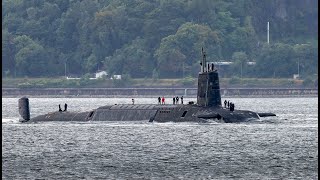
x=208, y=107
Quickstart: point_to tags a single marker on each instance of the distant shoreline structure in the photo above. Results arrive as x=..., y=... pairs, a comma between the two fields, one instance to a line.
x=154, y=92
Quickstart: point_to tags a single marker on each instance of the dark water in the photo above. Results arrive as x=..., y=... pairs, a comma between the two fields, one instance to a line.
x=282, y=147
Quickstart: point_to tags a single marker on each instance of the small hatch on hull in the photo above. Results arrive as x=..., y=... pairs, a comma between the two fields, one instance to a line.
x=184, y=114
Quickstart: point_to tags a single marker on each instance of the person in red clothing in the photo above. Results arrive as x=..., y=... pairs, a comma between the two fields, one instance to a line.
x=162, y=100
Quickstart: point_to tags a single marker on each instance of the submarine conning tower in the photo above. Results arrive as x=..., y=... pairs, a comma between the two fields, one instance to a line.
x=208, y=84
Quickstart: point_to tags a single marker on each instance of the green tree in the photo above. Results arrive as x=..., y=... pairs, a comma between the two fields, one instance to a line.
x=178, y=52
x=242, y=39
x=8, y=52
x=132, y=59
x=276, y=61
x=239, y=65
x=91, y=63
x=30, y=57
x=306, y=57
x=144, y=34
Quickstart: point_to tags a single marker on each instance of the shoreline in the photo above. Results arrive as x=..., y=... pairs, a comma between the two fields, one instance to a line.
x=155, y=92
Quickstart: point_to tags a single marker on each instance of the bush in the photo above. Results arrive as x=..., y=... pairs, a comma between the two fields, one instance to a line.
x=85, y=79
x=307, y=82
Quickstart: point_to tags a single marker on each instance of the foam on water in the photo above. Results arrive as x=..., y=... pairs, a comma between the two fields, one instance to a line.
x=10, y=120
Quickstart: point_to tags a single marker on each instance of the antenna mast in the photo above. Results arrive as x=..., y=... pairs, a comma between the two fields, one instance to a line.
x=203, y=63
x=268, y=33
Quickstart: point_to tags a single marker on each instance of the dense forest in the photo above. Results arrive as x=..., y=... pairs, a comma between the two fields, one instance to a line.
x=158, y=38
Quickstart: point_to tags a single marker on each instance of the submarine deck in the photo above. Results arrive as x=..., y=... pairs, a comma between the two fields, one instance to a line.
x=153, y=112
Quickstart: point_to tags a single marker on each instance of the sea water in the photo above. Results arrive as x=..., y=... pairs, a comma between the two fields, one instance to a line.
x=281, y=147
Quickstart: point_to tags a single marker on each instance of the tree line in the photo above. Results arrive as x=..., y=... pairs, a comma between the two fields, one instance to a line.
x=158, y=38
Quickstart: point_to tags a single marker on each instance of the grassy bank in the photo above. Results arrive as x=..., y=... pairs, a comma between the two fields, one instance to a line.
x=128, y=82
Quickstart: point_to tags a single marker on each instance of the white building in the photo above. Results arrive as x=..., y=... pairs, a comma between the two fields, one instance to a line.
x=101, y=74
x=116, y=77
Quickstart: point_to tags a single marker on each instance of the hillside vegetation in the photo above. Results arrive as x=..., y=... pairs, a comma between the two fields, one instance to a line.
x=158, y=38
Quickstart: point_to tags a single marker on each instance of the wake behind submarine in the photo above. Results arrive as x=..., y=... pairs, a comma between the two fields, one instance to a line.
x=208, y=107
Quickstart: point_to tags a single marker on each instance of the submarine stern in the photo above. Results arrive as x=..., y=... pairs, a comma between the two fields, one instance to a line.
x=24, y=110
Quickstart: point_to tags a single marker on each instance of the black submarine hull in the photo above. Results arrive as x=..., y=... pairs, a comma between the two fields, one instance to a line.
x=153, y=113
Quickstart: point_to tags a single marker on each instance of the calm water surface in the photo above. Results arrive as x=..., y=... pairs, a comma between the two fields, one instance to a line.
x=282, y=147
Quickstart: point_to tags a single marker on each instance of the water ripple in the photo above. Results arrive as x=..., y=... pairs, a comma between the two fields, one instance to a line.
x=282, y=147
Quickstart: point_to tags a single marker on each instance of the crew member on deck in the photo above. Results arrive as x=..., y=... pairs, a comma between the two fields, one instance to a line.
x=177, y=100
x=133, y=101
x=231, y=107
x=225, y=103
x=174, y=100
x=181, y=99
x=60, y=108
x=163, y=100
x=159, y=100
x=65, y=107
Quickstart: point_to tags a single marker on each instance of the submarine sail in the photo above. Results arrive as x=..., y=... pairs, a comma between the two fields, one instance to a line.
x=208, y=85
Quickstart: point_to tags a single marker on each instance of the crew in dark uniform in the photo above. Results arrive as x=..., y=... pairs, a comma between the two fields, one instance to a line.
x=231, y=107
x=65, y=107
x=174, y=100
x=177, y=100
x=60, y=108
x=181, y=99
x=228, y=104
x=159, y=100
x=225, y=103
